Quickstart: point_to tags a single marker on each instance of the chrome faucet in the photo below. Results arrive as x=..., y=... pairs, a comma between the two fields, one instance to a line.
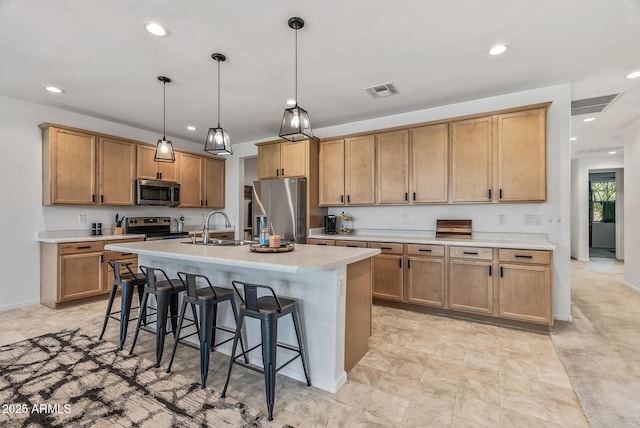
x=205, y=226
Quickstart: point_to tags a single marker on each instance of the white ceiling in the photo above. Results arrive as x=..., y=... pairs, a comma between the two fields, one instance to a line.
x=434, y=51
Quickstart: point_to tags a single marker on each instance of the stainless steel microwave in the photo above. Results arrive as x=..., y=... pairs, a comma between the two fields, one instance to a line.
x=156, y=192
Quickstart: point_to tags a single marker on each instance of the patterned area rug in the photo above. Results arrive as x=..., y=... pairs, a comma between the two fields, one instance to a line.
x=70, y=379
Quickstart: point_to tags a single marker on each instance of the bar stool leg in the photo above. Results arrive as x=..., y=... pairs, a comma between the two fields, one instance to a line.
x=269, y=346
x=206, y=327
x=173, y=308
x=235, y=317
x=161, y=328
x=213, y=329
x=125, y=308
x=175, y=342
x=298, y=328
x=238, y=334
x=145, y=297
x=112, y=296
x=143, y=309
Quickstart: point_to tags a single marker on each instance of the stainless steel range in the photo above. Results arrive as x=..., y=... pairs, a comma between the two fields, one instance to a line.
x=154, y=228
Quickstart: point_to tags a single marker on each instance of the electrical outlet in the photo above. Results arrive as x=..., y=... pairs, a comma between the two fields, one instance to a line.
x=533, y=220
x=502, y=219
x=82, y=218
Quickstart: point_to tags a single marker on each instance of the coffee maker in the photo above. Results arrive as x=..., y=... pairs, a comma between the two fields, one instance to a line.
x=330, y=225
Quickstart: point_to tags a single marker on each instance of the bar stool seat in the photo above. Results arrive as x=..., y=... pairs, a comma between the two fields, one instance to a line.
x=166, y=293
x=207, y=300
x=268, y=309
x=127, y=280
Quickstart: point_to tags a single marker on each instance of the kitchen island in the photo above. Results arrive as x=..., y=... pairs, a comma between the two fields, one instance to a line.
x=332, y=286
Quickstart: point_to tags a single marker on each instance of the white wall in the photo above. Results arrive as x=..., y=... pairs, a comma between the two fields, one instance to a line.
x=632, y=206
x=555, y=212
x=580, y=203
x=23, y=215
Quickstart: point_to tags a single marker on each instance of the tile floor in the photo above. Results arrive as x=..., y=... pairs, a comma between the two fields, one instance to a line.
x=421, y=371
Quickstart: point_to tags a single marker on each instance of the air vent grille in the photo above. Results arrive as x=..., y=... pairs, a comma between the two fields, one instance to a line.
x=592, y=105
x=598, y=150
x=382, y=90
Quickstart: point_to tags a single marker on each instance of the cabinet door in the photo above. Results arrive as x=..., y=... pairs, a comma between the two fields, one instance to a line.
x=525, y=293
x=191, y=181
x=522, y=156
x=388, y=277
x=117, y=171
x=81, y=275
x=392, y=153
x=425, y=281
x=214, y=183
x=470, y=286
x=73, y=168
x=331, y=161
x=360, y=170
x=148, y=169
x=326, y=242
x=293, y=159
x=269, y=161
x=429, y=164
x=471, y=160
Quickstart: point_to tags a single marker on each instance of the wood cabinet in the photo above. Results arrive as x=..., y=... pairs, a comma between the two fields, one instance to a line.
x=360, y=170
x=328, y=242
x=429, y=164
x=522, y=156
x=472, y=160
x=426, y=275
x=147, y=168
x=68, y=166
x=191, y=181
x=471, y=279
x=282, y=159
x=525, y=291
x=116, y=171
x=351, y=244
x=213, y=182
x=388, y=271
x=392, y=163
x=332, y=173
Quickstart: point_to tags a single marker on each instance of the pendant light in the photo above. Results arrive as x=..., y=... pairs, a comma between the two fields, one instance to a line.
x=295, y=122
x=218, y=142
x=164, y=148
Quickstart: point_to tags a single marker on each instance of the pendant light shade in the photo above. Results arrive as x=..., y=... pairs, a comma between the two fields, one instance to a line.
x=164, y=148
x=218, y=141
x=295, y=122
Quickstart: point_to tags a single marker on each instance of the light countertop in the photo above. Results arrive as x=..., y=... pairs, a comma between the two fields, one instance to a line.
x=61, y=238
x=305, y=258
x=522, y=244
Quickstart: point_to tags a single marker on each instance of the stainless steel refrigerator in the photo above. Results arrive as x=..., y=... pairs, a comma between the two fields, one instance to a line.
x=284, y=202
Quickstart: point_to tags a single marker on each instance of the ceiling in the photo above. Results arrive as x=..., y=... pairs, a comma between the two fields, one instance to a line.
x=435, y=52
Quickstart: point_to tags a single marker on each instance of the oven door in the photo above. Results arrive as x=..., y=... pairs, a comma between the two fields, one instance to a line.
x=154, y=192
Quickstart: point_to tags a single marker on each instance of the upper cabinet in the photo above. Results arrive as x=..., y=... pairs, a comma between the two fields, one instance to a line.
x=360, y=170
x=282, y=159
x=116, y=171
x=148, y=169
x=392, y=163
x=331, y=182
x=213, y=182
x=191, y=181
x=429, y=164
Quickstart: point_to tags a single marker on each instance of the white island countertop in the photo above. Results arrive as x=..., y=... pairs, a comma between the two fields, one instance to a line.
x=305, y=258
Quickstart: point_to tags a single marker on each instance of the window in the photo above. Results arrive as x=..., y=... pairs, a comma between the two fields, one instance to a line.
x=603, y=201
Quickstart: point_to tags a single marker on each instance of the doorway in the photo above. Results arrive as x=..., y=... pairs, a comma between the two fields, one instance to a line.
x=602, y=214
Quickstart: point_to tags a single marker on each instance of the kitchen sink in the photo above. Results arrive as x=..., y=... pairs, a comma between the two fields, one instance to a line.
x=221, y=243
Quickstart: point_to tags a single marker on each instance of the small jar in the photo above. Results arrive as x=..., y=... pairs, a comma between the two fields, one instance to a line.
x=274, y=241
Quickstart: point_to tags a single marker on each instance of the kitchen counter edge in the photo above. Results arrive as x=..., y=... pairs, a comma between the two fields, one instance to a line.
x=66, y=239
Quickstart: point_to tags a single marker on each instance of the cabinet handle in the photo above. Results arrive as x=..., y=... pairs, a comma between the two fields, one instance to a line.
x=348, y=198
x=352, y=246
x=519, y=256
x=206, y=202
x=409, y=264
x=83, y=247
x=125, y=254
x=400, y=262
x=321, y=243
x=501, y=272
x=101, y=199
x=101, y=258
x=414, y=196
x=500, y=194
x=93, y=198
x=489, y=193
x=406, y=196
x=424, y=250
x=277, y=172
x=342, y=199
x=471, y=253
x=282, y=172
x=490, y=270
x=386, y=248
x=201, y=203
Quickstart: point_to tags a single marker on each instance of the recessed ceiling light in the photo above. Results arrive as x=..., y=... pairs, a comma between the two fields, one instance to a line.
x=633, y=75
x=54, y=89
x=155, y=29
x=612, y=152
x=291, y=102
x=574, y=138
x=497, y=50
x=589, y=119
x=191, y=128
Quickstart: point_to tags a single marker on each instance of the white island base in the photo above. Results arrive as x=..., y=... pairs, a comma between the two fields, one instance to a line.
x=332, y=286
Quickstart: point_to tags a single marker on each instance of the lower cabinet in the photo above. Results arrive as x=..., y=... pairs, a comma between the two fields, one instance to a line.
x=315, y=241
x=471, y=286
x=426, y=275
x=81, y=275
x=388, y=271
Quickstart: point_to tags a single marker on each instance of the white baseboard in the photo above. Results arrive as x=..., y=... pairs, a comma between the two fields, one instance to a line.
x=563, y=318
x=628, y=284
x=19, y=305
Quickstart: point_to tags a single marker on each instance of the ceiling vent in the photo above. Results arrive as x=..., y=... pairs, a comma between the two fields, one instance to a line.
x=600, y=150
x=592, y=105
x=382, y=90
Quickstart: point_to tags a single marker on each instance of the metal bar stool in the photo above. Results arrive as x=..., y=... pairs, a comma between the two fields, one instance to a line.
x=207, y=299
x=268, y=309
x=127, y=280
x=166, y=293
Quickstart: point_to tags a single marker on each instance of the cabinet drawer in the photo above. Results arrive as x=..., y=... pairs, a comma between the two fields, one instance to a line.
x=525, y=256
x=222, y=235
x=118, y=255
x=355, y=244
x=388, y=247
x=81, y=247
x=471, y=253
x=329, y=242
x=425, y=250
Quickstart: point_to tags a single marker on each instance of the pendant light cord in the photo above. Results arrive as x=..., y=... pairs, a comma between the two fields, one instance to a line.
x=164, y=111
x=218, y=61
x=296, y=69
